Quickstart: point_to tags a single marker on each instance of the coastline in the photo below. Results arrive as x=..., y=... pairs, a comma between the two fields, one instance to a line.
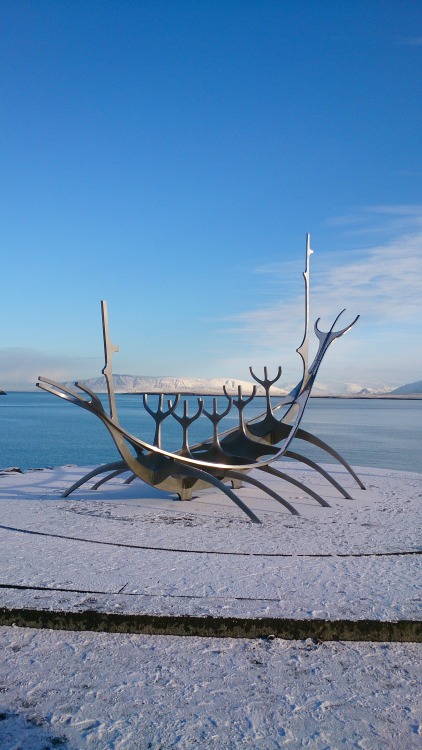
x=381, y=397
x=407, y=397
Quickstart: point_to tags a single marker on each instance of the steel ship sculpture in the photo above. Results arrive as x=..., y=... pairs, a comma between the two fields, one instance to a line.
x=225, y=460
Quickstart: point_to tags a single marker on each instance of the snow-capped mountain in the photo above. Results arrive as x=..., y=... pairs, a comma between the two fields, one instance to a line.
x=353, y=389
x=409, y=388
x=214, y=386
x=378, y=390
x=169, y=384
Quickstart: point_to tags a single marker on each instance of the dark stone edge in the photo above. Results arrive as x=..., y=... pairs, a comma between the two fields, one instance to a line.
x=402, y=631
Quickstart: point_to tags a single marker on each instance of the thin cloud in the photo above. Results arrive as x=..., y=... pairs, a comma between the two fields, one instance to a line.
x=382, y=283
x=385, y=284
x=410, y=41
x=382, y=221
x=403, y=209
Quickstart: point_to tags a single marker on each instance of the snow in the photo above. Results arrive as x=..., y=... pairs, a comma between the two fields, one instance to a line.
x=79, y=690
x=170, y=384
x=130, y=549
x=409, y=388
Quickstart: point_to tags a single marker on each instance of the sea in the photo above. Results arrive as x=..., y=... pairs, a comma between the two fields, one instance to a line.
x=39, y=430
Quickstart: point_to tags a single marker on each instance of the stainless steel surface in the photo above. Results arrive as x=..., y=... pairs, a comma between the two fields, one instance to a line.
x=229, y=456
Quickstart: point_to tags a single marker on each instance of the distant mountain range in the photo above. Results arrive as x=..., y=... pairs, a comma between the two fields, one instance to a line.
x=410, y=388
x=214, y=387
x=375, y=391
x=168, y=384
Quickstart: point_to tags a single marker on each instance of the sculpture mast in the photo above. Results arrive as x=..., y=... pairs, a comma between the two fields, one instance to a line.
x=107, y=370
x=303, y=349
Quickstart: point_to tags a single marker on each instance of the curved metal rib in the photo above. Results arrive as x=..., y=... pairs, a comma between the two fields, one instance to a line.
x=300, y=485
x=314, y=440
x=210, y=479
x=251, y=480
x=94, y=473
x=130, y=479
x=109, y=476
x=320, y=470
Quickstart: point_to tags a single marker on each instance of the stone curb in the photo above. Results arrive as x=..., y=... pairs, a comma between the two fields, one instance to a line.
x=402, y=631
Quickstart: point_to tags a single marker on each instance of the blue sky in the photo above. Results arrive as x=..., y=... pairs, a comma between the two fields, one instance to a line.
x=170, y=156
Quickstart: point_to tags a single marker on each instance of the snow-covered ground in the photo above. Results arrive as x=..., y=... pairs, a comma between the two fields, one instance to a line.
x=130, y=549
x=127, y=692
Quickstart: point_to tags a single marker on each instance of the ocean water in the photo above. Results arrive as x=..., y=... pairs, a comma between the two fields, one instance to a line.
x=39, y=430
